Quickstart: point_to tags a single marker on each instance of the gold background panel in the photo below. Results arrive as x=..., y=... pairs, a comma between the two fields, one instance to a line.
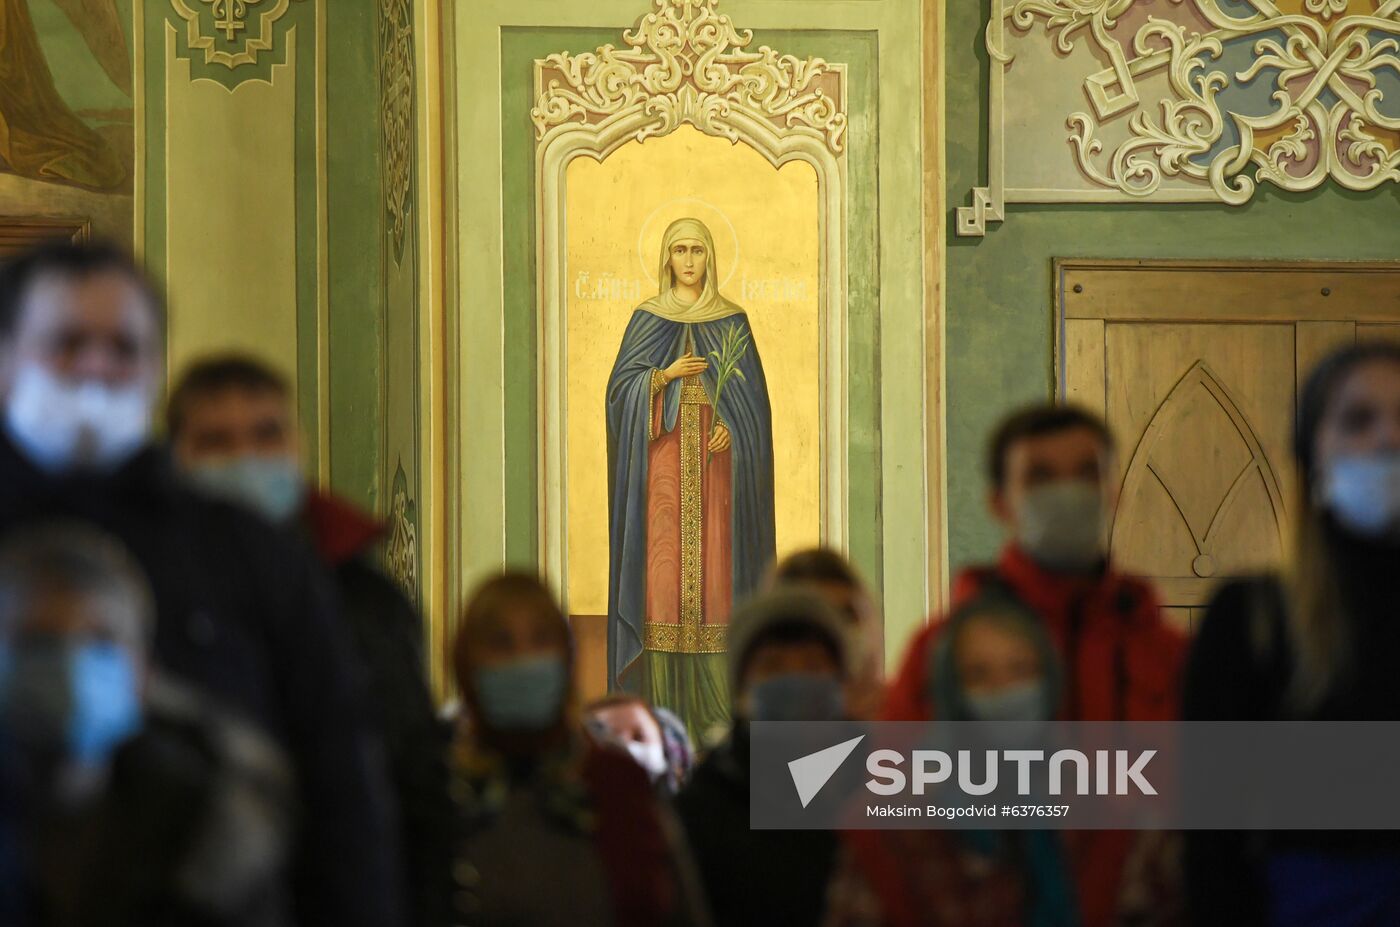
x=765, y=224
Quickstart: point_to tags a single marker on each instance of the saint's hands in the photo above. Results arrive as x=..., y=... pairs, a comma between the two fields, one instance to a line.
x=687, y=366
x=719, y=441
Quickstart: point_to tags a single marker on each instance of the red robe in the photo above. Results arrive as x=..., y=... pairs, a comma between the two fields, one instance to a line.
x=690, y=575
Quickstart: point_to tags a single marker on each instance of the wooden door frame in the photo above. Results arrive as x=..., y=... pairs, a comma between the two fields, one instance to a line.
x=1320, y=296
x=1320, y=291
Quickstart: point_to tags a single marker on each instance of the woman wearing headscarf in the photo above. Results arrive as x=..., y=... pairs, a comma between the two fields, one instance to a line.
x=994, y=664
x=551, y=829
x=690, y=457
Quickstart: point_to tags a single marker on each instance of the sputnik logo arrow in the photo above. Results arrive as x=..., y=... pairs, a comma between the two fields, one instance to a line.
x=811, y=772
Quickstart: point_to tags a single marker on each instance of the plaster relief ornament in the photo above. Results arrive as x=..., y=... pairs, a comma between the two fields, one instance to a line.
x=1242, y=93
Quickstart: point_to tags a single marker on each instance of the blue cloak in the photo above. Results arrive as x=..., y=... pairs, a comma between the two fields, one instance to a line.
x=654, y=343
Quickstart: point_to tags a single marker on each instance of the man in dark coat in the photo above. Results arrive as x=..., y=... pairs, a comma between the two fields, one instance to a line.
x=232, y=425
x=242, y=612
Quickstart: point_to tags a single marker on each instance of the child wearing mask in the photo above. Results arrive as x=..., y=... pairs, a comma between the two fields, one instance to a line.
x=832, y=576
x=1318, y=643
x=133, y=799
x=994, y=663
x=788, y=661
x=630, y=723
x=1053, y=489
x=550, y=829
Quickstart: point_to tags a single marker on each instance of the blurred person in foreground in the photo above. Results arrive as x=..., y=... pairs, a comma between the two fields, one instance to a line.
x=241, y=611
x=656, y=739
x=1319, y=643
x=1053, y=490
x=992, y=666
x=551, y=829
x=832, y=576
x=232, y=425
x=788, y=661
x=138, y=801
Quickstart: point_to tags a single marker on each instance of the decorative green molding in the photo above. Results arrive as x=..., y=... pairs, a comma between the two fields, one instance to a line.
x=231, y=40
x=396, y=76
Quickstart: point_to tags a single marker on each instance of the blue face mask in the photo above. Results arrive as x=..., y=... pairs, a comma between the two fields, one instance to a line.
x=271, y=486
x=1025, y=702
x=522, y=695
x=1362, y=491
x=797, y=697
x=78, y=702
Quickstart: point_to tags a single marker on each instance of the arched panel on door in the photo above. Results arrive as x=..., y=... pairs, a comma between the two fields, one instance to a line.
x=1200, y=496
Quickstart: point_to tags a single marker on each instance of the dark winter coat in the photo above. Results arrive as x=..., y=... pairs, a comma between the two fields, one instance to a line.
x=247, y=615
x=1241, y=669
x=751, y=877
x=192, y=827
x=387, y=633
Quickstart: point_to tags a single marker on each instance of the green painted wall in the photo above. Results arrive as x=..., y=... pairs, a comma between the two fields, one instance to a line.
x=999, y=322
x=356, y=233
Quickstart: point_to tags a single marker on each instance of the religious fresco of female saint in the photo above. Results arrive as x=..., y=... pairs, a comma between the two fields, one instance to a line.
x=690, y=458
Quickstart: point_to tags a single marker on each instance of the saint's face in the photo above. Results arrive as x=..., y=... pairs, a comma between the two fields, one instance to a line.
x=688, y=262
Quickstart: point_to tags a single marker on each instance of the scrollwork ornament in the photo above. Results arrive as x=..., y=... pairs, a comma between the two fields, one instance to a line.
x=685, y=62
x=396, y=115
x=1324, y=119
x=401, y=552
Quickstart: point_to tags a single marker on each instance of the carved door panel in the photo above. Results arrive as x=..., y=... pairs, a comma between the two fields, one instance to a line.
x=1203, y=414
x=1196, y=370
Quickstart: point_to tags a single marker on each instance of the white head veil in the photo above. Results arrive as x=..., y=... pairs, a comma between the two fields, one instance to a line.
x=711, y=305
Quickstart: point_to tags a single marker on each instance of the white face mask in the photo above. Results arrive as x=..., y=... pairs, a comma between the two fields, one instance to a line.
x=649, y=756
x=1362, y=491
x=63, y=425
x=1061, y=525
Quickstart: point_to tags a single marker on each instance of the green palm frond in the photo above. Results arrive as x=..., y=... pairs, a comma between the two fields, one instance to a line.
x=732, y=347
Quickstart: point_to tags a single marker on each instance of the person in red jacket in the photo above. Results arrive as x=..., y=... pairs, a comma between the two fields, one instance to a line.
x=1053, y=489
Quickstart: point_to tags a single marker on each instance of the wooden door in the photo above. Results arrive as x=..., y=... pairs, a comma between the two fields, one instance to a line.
x=1196, y=368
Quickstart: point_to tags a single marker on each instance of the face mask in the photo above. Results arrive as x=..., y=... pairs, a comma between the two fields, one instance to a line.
x=523, y=695
x=797, y=697
x=649, y=756
x=1061, y=525
x=271, y=486
x=72, y=702
x=63, y=425
x=1362, y=492
x=1024, y=702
